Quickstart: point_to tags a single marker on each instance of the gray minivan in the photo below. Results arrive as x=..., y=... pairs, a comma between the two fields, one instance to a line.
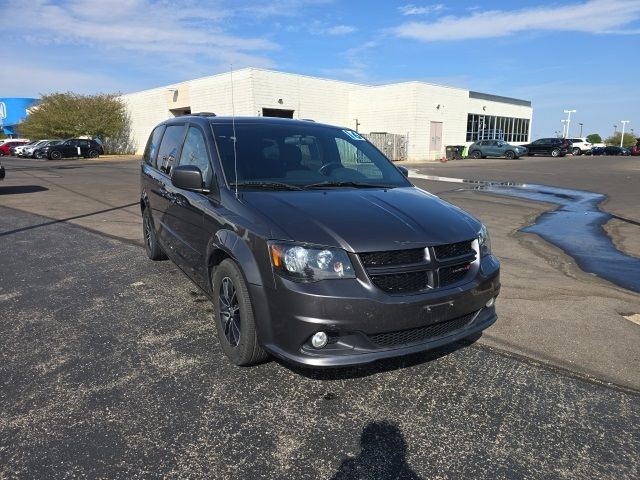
x=311, y=244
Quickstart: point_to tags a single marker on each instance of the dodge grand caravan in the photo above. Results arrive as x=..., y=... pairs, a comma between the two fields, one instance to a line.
x=311, y=244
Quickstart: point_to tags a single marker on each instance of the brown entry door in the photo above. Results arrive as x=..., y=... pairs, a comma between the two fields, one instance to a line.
x=435, y=144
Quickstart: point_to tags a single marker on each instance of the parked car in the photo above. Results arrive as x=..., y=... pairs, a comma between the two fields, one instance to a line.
x=5, y=148
x=613, y=150
x=3, y=173
x=580, y=146
x=495, y=148
x=310, y=243
x=37, y=151
x=635, y=150
x=72, y=147
x=18, y=149
x=556, y=147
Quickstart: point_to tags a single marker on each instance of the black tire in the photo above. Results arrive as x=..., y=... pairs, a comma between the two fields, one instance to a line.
x=576, y=152
x=39, y=155
x=92, y=154
x=509, y=154
x=555, y=152
x=55, y=155
x=234, y=316
x=152, y=247
x=477, y=154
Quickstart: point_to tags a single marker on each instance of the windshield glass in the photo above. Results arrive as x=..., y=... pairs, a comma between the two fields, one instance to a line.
x=302, y=155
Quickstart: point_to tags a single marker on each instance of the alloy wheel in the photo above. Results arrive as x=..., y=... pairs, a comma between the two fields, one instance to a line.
x=229, y=311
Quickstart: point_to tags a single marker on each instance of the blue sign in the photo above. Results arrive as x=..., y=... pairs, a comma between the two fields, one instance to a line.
x=12, y=112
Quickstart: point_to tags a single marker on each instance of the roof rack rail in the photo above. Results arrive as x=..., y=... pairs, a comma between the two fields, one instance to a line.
x=203, y=114
x=308, y=120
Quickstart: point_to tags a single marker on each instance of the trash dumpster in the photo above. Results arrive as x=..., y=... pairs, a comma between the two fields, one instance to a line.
x=454, y=152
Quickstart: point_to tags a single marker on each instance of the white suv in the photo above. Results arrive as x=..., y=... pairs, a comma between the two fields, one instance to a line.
x=580, y=145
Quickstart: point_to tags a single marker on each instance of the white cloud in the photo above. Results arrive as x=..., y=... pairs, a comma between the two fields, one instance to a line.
x=594, y=16
x=423, y=10
x=340, y=30
x=135, y=25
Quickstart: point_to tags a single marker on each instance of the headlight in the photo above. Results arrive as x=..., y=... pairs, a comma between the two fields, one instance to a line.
x=309, y=264
x=484, y=241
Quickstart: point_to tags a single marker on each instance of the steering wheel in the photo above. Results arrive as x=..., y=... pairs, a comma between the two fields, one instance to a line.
x=329, y=167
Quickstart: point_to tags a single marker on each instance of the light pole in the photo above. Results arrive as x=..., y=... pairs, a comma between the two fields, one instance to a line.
x=569, y=112
x=564, y=126
x=615, y=129
x=580, y=129
x=624, y=124
x=357, y=124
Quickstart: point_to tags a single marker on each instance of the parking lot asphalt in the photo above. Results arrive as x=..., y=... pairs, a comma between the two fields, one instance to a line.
x=110, y=369
x=549, y=310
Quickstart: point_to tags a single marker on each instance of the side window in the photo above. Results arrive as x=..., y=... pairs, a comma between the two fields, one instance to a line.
x=194, y=152
x=168, y=151
x=153, y=143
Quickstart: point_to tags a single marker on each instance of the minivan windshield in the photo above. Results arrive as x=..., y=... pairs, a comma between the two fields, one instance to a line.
x=298, y=156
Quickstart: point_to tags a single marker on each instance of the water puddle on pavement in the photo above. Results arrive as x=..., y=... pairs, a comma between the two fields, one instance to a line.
x=576, y=227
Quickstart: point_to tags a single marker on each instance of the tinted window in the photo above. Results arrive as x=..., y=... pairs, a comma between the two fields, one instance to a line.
x=302, y=154
x=168, y=151
x=194, y=152
x=153, y=143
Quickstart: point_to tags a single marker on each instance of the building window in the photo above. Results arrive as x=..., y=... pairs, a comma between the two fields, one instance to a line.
x=489, y=127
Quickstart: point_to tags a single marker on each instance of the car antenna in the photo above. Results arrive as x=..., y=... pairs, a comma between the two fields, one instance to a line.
x=233, y=126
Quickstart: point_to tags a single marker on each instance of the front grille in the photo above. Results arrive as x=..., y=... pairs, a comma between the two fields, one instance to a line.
x=393, y=257
x=451, y=275
x=453, y=250
x=419, y=269
x=402, y=282
x=421, y=334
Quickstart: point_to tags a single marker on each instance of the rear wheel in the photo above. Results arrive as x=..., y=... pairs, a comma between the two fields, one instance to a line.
x=476, y=154
x=92, y=154
x=555, y=152
x=234, y=316
x=509, y=154
x=153, y=248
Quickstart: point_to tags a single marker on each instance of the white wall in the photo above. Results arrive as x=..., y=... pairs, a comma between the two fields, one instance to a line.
x=403, y=108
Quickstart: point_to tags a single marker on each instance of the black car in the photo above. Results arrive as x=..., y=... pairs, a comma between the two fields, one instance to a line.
x=311, y=244
x=613, y=150
x=73, y=147
x=555, y=147
x=2, y=172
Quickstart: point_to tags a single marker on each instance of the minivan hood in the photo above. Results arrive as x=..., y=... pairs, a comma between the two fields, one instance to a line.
x=364, y=220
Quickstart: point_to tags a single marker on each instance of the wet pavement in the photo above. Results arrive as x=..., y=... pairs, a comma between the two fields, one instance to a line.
x=110, y=368
x=576, y=226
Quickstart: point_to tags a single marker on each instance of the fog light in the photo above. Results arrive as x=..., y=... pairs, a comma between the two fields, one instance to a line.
x=490, y=303
x=319, y=340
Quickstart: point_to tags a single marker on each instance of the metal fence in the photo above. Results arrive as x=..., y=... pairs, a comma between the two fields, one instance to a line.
x=392, y=145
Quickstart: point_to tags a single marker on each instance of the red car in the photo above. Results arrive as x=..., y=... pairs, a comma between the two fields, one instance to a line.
x=5, y=148
x=635, y=150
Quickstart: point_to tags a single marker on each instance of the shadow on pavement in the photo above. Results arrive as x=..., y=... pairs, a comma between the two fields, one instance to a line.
x=62, y=220
x=12, y=190
x=386, y=365
x=382, y=455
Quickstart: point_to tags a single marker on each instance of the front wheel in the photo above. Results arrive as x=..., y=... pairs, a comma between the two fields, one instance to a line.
x=234, y=316
x=509, y=154
x=576, y=151
x=55, y=155
x=555, y=152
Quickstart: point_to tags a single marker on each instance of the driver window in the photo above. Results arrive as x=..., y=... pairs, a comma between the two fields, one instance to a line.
x=194, y=152
x=353, y=158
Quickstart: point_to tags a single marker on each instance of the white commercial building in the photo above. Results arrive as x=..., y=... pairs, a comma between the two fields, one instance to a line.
x=428, y=116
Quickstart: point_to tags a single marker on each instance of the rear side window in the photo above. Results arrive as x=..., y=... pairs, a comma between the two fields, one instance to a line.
x=168, y=151
x=194, y=152
x=151, y=150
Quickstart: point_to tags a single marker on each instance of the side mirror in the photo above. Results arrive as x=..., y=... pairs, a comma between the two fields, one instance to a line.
x=403, y=171
x=187, y=177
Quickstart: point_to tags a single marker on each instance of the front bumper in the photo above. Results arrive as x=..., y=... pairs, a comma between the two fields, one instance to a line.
x=365, y=324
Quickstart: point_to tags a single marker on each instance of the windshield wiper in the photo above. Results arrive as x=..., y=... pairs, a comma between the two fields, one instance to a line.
x=266, y=185
x=331, y=183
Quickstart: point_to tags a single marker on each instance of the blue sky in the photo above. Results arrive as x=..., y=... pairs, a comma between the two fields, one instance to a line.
x=580, y=55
